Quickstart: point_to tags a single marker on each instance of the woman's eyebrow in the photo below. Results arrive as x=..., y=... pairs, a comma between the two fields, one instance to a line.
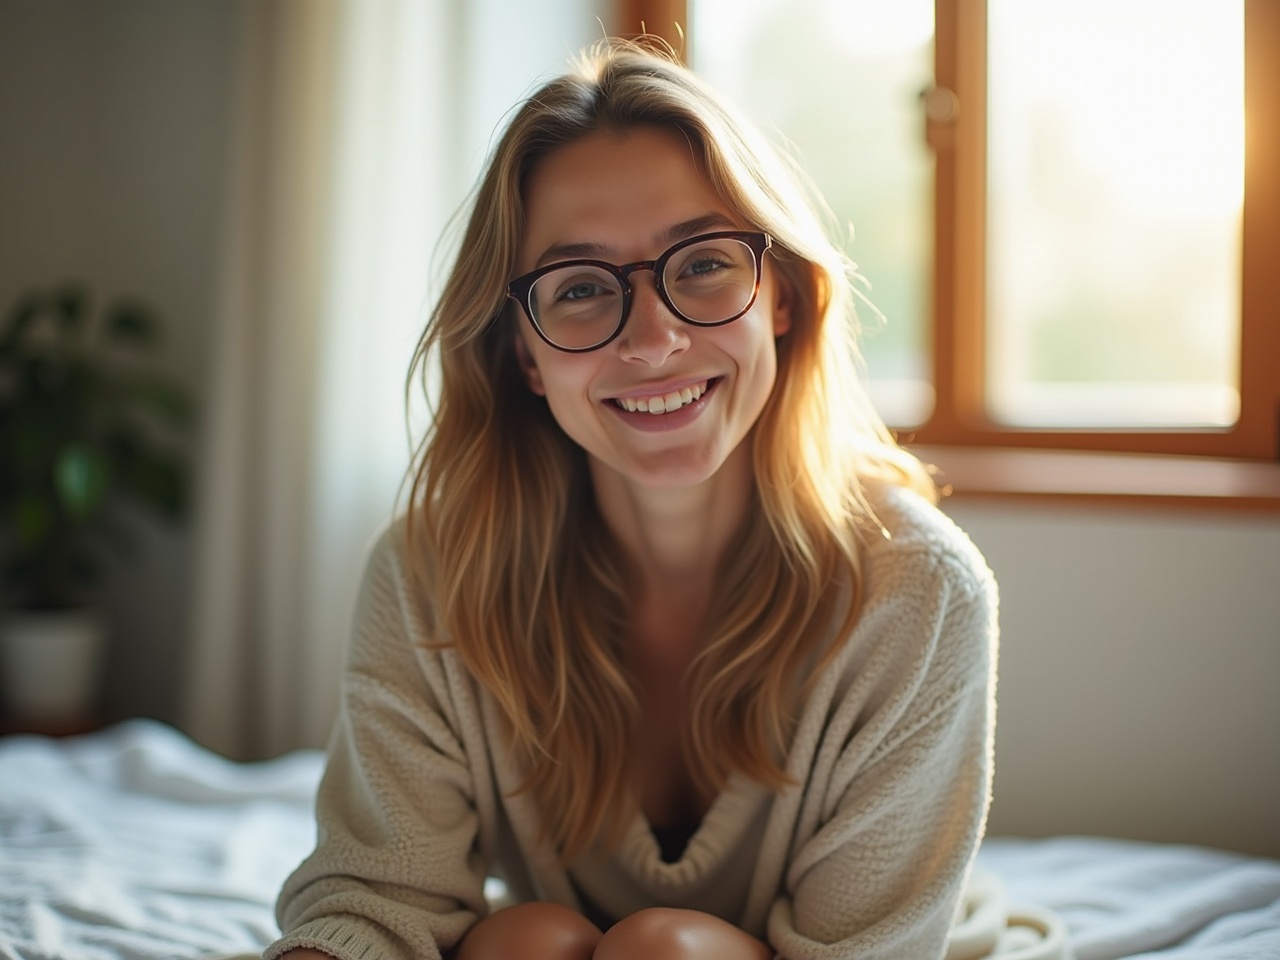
x=691, y=228
x=672, y=234
x=573, y=251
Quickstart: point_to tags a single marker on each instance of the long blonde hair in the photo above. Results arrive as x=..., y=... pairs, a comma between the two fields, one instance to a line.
x=503, y=533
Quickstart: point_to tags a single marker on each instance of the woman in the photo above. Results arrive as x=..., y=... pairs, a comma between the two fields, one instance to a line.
x=672, y=639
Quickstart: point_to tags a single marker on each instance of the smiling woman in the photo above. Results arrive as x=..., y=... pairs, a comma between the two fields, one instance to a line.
x=672, y=638
x=705, y=322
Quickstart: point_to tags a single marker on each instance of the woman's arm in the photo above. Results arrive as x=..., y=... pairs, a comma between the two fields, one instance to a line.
x=899, y=793
x=395, y=873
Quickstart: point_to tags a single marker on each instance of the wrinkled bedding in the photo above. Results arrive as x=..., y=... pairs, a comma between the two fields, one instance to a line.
x=136, y=844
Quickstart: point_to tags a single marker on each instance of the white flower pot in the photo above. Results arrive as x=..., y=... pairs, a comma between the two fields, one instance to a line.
x=50, y=663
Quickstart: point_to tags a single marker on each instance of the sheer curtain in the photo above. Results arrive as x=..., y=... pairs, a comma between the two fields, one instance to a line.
x=359, y=130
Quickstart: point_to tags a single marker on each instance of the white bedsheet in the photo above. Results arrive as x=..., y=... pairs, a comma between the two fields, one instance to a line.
x=1125, y=899
x=135, y=844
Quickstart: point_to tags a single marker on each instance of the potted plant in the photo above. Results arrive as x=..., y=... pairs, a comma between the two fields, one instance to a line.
x=84, y=425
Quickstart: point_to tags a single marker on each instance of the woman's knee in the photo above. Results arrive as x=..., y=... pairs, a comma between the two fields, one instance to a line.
x=670, y=933
x=531, y=931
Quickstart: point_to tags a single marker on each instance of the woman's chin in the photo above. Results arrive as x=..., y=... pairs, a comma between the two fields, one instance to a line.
x=671, y=470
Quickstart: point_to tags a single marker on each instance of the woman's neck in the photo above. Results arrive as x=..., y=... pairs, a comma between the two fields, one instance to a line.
x=675, y=539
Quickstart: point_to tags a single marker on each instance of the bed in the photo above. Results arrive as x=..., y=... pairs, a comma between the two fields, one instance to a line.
x=133, y=843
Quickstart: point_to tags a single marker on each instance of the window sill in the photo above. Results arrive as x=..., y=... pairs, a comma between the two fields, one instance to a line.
x=1093, y=477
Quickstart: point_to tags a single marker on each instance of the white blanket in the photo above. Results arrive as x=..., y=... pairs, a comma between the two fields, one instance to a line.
x=1121, y=899
x=135, y=844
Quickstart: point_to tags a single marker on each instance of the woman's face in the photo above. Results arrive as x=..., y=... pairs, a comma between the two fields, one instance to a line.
x=623, y=197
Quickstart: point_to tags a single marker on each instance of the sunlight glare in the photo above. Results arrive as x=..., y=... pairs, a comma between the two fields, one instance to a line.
x=1182, y=149
x=876, y=28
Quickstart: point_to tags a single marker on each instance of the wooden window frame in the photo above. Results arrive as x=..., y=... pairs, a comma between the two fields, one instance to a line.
x=988, y=458
x=959, y=294
x=663, y=18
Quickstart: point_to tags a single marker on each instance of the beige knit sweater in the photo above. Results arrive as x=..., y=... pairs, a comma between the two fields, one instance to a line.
x=866, y=858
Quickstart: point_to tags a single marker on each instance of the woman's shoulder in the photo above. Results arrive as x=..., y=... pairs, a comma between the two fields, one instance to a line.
x=911, y=539
x=393, y=557
x=928, y=612
x=385, y=566
x=904, y=520
x=396, y=629
x=395, y=587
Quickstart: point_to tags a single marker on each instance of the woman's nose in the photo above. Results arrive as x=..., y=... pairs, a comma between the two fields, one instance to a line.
x=652, y=333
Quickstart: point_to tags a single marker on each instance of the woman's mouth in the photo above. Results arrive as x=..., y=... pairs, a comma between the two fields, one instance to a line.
x=667, y=402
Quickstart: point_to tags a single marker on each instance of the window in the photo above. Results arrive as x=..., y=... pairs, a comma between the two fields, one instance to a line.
x=1115, y=172
x=1068, y=213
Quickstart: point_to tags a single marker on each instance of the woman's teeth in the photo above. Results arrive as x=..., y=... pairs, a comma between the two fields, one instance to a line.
x=664, y=404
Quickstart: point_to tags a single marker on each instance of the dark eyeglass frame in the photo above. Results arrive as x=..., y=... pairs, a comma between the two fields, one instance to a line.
x=521, y=288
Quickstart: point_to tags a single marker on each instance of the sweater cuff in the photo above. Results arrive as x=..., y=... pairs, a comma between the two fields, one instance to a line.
x=344, y=938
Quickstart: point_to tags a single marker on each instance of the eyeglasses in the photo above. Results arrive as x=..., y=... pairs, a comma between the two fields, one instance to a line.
x=580, y=305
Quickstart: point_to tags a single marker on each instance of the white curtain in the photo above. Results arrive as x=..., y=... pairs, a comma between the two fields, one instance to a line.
x=359, y=127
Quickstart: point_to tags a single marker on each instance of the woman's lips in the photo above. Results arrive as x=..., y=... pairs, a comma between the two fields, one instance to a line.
x=664, y=403
x=644, y=413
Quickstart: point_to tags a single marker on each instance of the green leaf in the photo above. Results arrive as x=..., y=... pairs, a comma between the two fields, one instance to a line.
x=72, y=306
x=81, y=476
x=158, y=481
x=132, y=323
x=33, y=520
x=158, y=397
x=20, y=316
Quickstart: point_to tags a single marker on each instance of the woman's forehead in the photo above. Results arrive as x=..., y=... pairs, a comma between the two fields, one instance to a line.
x=621, y=190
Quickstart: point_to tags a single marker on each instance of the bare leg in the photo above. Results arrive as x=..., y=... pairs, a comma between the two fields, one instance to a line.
x=530, y=931
x=670, y=934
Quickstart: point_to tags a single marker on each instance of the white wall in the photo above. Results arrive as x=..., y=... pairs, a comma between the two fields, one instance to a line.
x=1140, y=672
x=113, y=147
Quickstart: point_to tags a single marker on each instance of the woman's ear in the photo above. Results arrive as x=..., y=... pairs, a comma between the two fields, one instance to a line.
x=783, y=303
x=528, y=366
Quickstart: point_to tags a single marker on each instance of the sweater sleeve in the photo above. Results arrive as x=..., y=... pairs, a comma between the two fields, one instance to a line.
x=396, y=873
x=897, y=802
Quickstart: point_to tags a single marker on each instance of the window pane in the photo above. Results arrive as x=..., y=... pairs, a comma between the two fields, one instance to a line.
x=1115, y=185
x=841, y=80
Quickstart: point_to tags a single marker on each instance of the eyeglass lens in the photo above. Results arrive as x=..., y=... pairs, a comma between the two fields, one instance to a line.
x=708, y=282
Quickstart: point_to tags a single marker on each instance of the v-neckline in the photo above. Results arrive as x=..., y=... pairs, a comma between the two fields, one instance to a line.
x=722, y=815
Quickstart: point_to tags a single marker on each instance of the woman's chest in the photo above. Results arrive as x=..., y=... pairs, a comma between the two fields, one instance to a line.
x=668, y=787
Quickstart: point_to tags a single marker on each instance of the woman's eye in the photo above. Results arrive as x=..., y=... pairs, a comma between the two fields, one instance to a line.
x=704, y=265
x=583, y=290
